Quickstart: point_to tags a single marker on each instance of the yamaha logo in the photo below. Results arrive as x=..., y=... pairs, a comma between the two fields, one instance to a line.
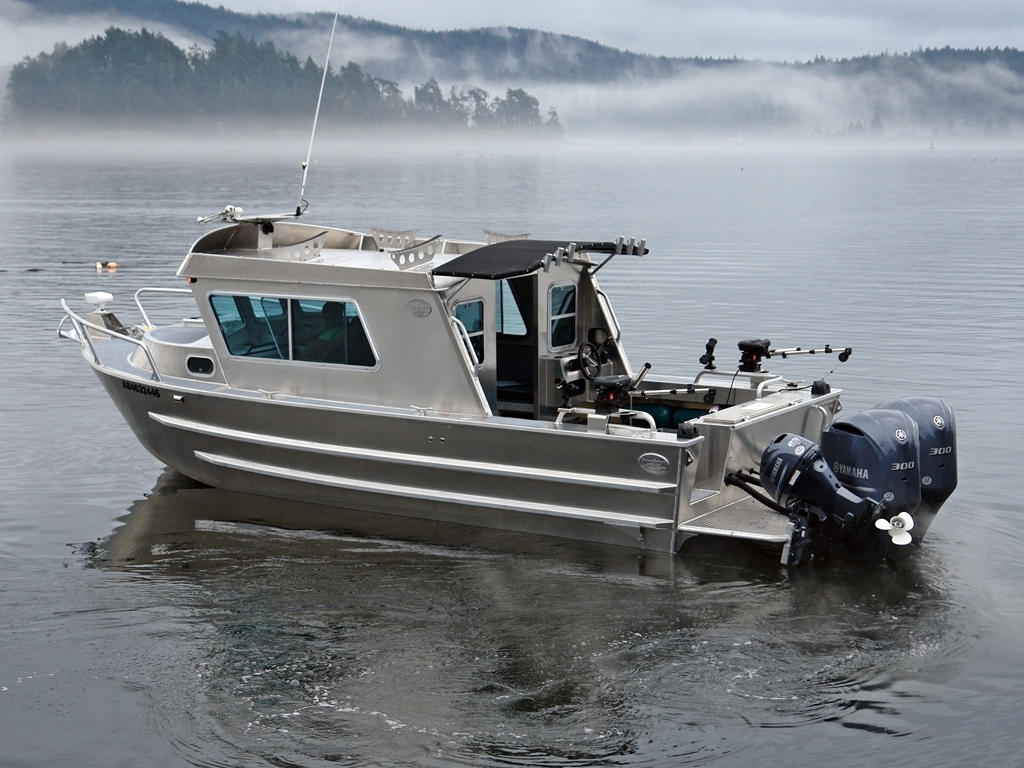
x=939, y=422
x=901, y=435
x=799, y=450
x=858, y=473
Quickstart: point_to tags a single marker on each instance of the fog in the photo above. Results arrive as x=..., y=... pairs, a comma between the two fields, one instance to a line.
x=742, y=101
x=24, y=32
x=755, y=29
x=763, y=100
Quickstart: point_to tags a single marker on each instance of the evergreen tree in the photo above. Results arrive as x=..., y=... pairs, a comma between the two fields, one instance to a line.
x=141, y=75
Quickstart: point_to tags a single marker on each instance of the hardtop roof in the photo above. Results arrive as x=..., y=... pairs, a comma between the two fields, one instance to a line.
x=511, y=258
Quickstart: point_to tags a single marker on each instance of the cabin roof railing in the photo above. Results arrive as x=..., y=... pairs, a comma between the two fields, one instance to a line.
x=437, y=256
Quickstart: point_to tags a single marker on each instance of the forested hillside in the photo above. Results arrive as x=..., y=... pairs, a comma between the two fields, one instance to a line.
x=142, y=76
x=262, y=67
x=389, y=50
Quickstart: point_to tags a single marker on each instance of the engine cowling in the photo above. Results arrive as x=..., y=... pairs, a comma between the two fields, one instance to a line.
x=876, y=477
x=876, y=454
x=936, y=426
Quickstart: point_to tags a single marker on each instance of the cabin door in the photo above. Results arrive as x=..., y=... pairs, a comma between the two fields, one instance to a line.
x=516, y=342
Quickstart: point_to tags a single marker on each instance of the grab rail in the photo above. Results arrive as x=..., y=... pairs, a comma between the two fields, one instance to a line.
x=765, y=383
x=78, y=334
x=138, y=303
x=607, y=307
x=652, y=425
x=466, y=341
x=766, y=380
x=85, y=339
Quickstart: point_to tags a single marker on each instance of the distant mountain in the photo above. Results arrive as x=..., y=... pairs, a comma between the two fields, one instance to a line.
x=597, y=88
x=394, y=52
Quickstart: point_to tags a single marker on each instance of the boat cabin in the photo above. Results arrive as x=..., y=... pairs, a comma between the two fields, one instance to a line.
x=389, y=319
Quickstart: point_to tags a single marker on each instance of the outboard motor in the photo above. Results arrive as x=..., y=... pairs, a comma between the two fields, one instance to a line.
x=936, y=427
x=824, y=513
x=875, y=453
x=877, y=479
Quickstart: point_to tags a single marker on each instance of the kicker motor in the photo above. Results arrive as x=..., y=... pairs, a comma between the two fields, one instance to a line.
x=875, y=482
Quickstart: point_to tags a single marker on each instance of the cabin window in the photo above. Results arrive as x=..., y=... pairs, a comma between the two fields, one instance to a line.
x=313, y=330
x=330, y=332
x=508, y=319
x=563, y=314
x=471, y=315
x=253, y=326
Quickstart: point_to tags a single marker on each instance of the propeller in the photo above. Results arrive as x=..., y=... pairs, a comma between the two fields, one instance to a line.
x=898, y=527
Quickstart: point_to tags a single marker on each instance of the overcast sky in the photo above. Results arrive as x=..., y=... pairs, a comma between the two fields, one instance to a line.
x=767, y=29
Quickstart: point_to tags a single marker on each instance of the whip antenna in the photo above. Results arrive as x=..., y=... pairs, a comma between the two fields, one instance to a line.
x=309, y=153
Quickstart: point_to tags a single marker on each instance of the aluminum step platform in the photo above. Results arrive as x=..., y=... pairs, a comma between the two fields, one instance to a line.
x=744, y=519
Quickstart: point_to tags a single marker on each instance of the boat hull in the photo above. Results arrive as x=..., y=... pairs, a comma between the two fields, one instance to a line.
x=505, y=475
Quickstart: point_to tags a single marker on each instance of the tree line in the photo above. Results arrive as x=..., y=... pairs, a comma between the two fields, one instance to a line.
x=506, y=54
x=144, y=77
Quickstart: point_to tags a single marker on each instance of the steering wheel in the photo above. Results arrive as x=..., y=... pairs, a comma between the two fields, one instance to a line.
x=590, y=356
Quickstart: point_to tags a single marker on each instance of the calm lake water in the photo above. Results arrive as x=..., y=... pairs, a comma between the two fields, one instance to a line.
x=144, y=624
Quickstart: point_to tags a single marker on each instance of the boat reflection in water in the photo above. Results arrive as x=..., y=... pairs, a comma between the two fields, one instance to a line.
x=494, y=645
x=186, y=525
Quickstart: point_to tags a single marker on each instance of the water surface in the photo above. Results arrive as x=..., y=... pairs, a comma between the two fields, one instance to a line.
x=147, y=621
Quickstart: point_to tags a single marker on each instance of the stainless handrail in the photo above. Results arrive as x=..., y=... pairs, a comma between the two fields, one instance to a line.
x=138, y=303
x=607, y=307
x=84, y=337
x=825, y=419
x=765, y=383
x=652, y=425
x=80, y=336
x=768, y=378
x=466, y=341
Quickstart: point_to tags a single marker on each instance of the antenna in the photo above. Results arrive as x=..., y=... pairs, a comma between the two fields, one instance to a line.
x=309, y=153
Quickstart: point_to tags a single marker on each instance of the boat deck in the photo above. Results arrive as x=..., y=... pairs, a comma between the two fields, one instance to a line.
x=744, y=519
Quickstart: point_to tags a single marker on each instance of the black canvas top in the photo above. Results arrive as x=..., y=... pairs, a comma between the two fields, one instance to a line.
x=511, y=258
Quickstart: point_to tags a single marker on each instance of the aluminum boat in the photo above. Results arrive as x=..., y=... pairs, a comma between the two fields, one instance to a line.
x=487, y=383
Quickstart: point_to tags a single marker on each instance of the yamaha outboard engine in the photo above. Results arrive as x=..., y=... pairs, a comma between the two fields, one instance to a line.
x=936, y=428
x=877, y=479
x=875, y=453
x=903, y=453
x=824, y=513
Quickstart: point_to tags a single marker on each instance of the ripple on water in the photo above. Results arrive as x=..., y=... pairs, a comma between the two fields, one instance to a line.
x=412, y=644
x=337, y=646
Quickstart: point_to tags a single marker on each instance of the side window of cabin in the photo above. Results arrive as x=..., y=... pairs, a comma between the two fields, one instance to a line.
x=471, y=315
x=562, y=306
x=321, y=331
x=508, y=319
x=253, y=326
x=330, y=332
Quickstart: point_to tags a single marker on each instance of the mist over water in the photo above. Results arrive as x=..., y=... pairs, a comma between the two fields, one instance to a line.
x=173, y=630
x=599, y=93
